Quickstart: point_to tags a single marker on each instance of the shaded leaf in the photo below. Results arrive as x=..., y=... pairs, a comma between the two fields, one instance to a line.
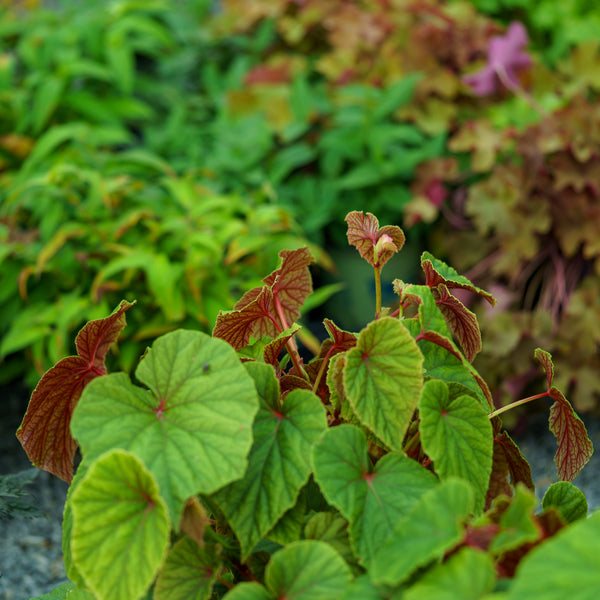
x=565, y=566
x=431, y=528
x=191, y=425
x=189, y=572
x=375, y=244
x=383, y=379
x=45, y=431
x=466, y=575
x=118, y=513
x=517, y=523
x=519, y=468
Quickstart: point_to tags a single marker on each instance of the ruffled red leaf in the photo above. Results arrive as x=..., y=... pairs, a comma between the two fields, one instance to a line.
x=271, y=308
x=340, y=340
x=45, y=432
x=462, y=322
x=574, y=446
x=519, y=468
x=254, y=318
x=438, y=272
x=376, y=245
x=291, y=284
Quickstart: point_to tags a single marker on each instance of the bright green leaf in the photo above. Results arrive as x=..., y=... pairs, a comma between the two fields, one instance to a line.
x=248, y=590
x=373, y=499
x=457, y=435
x=192, y=427
x=119, y=517
x=569, y=500
x=383, y=379
x=279, y=462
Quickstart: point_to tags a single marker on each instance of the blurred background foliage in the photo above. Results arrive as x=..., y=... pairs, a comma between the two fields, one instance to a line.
x=166, y=151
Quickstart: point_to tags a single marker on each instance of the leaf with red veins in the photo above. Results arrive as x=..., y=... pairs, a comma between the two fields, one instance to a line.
x=574, y=446
x=274, y=348
x=462, y=322
x=340, y=340
x=376, y=245
x=519, y=468
x=255, y=318
x=437, y=338
x=45, y=432
x=291, y=284
x=438, y=272
x=257, y=312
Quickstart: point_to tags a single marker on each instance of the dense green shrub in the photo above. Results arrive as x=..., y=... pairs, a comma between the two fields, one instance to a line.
x=96, y=196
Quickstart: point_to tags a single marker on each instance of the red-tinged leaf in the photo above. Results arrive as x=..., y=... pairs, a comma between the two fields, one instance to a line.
x=291, y=283
x=45, y=432
x=274, y=348
x=340, y=340
x=462, y=322
x=499, y=483
x=440, y=340
x=254, y=318
x=437, y=272
x=574, y=446
x=545, y=358
x=519, y=468
x=376, y=245
x=287, y=383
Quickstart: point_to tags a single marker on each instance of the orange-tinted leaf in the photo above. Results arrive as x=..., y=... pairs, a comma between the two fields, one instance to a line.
x=574, y=446
x=252, y=319
x=376, y=245
x=291, y=283
x=437, y=272
x=45, y=431
x=271, y=308
x=340, y=340
x=462, y=322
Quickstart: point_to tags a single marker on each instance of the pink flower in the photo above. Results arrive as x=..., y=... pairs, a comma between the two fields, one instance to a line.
x=505, y=58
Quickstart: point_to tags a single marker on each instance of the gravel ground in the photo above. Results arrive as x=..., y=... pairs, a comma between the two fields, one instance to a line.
x=30, y=549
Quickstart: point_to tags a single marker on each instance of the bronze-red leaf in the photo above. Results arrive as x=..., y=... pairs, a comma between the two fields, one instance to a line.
x=45, y=432
x=376, y=245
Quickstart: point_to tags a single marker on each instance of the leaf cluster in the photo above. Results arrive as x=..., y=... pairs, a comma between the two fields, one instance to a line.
x=101, y=119
x=380, y=469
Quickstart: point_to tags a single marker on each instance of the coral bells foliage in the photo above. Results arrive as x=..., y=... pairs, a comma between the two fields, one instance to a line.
x=378, y=469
